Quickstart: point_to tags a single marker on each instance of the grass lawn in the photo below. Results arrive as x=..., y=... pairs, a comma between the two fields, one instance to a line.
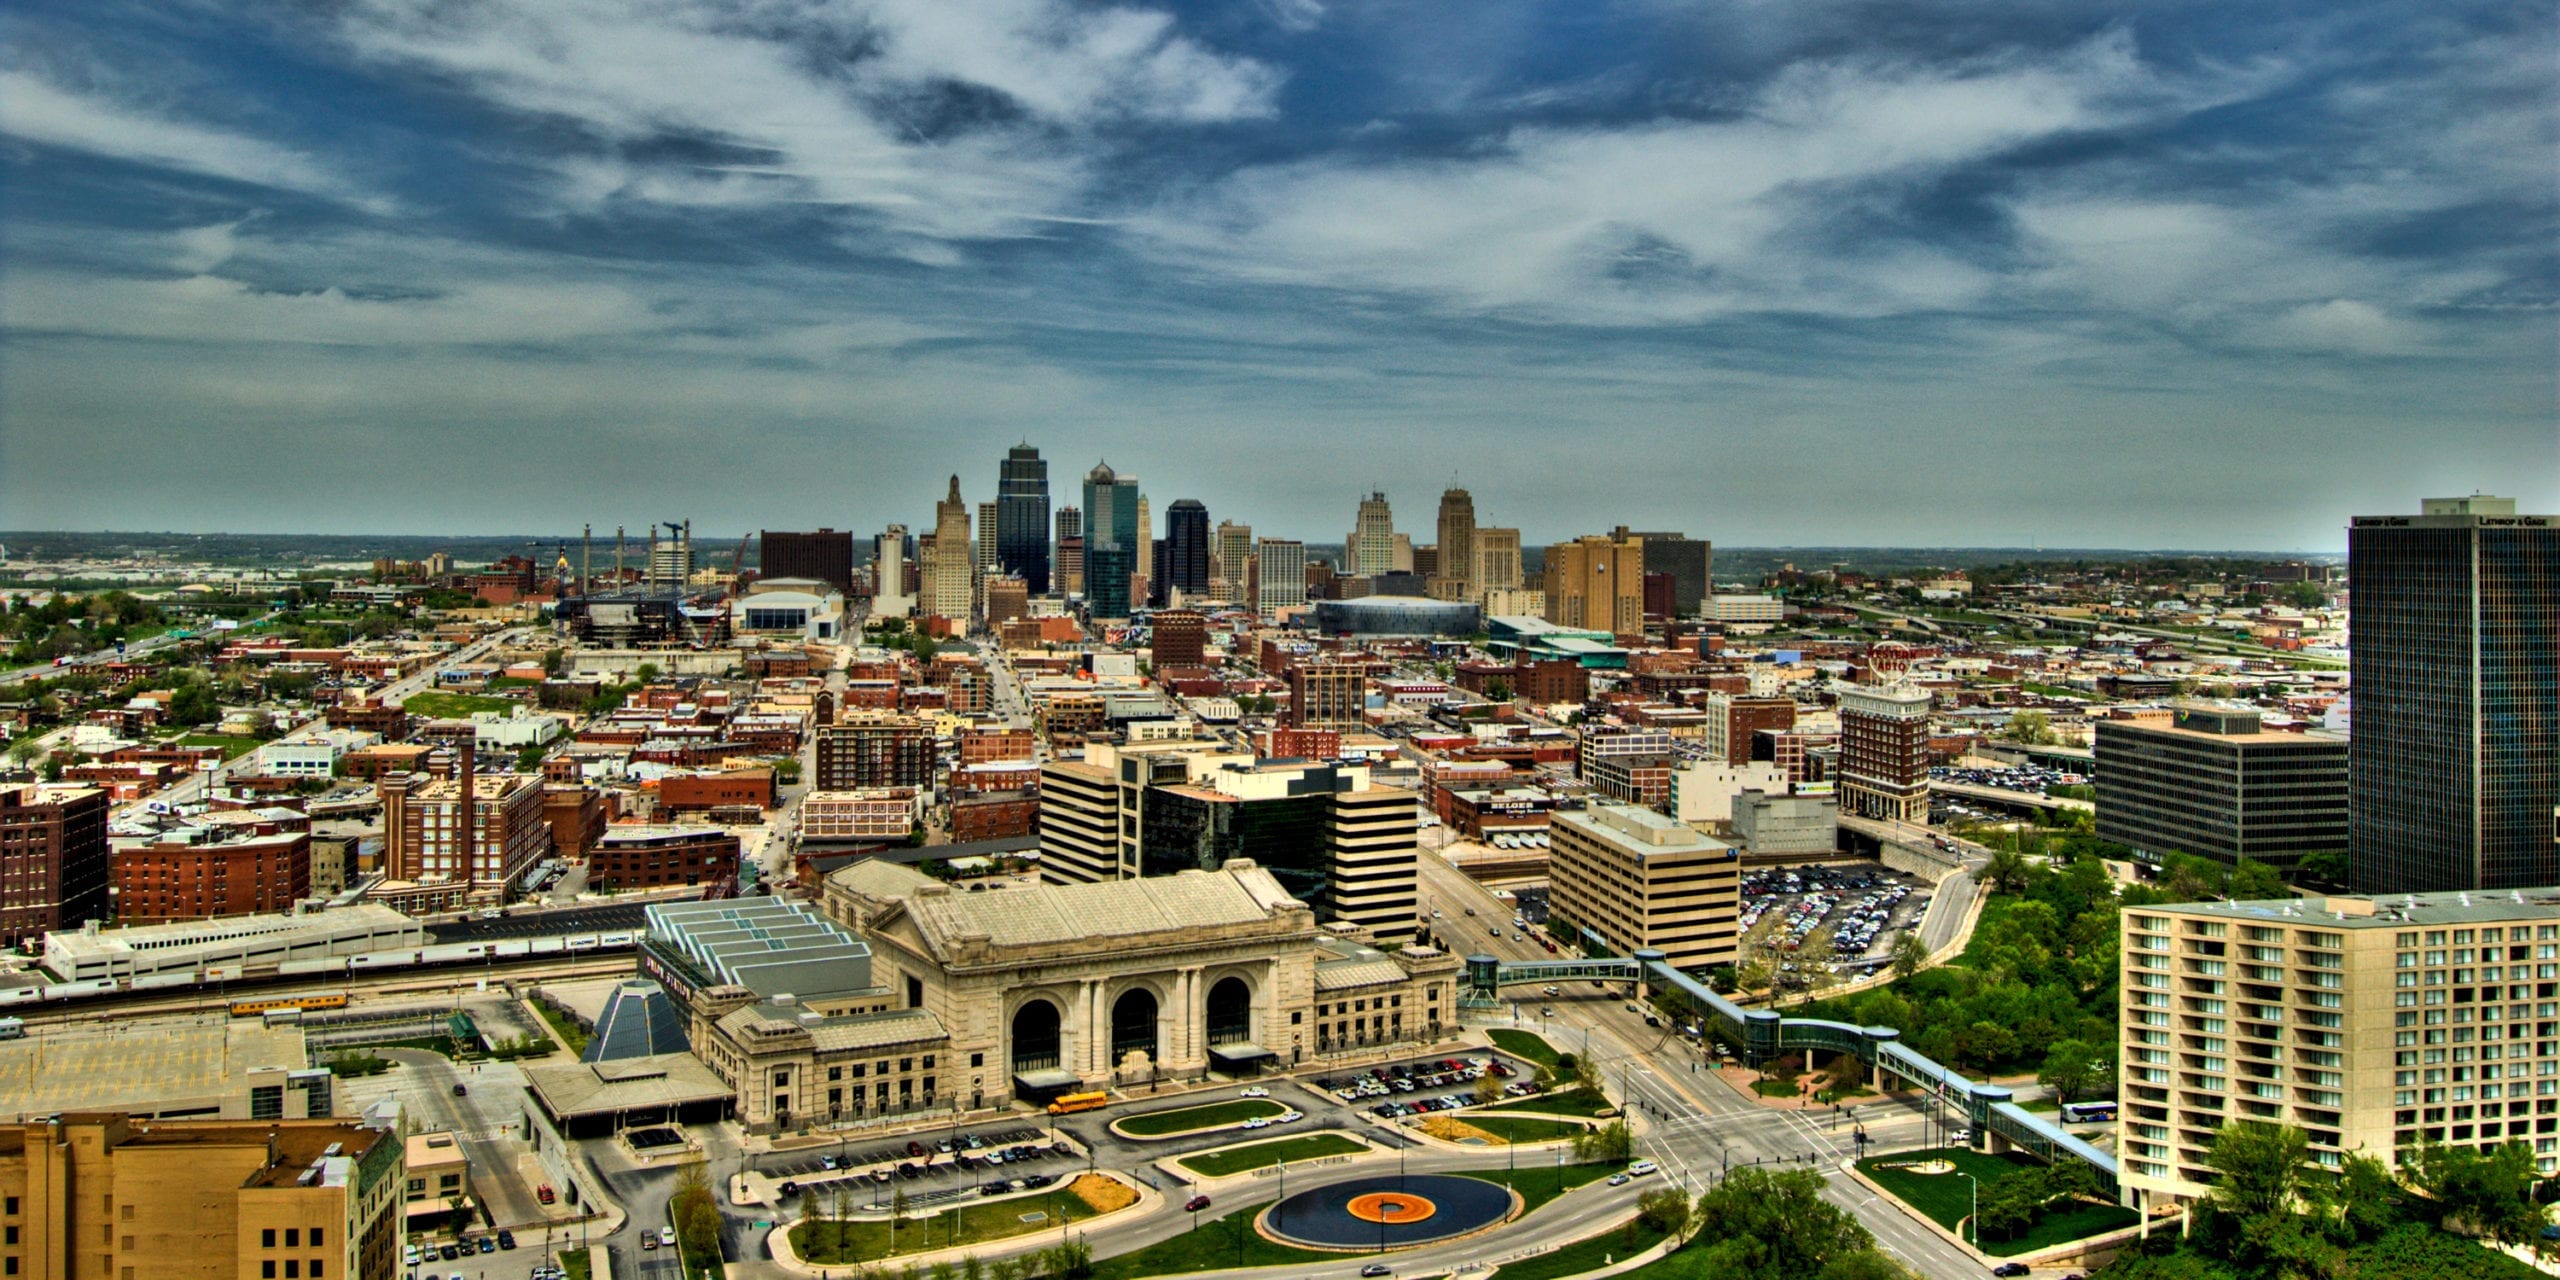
x=1777, y=1088
x=1587, y=1254
x=563, y=1026
x=574, y=1261
x=1539, y=1180
x=1156, y=1124
x=824, y=1244
x=1233, y=1160
x=1947, y=1199
x=453, y=706
x=1524, y=1044
x=1523, y=1128
x=1562, y=1102
x=233, y=745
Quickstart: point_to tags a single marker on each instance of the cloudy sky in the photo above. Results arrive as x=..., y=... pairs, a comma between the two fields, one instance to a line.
x=1969, y=272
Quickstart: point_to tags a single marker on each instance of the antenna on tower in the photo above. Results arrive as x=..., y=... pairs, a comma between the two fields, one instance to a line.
x=586, y=557
x=617, y=557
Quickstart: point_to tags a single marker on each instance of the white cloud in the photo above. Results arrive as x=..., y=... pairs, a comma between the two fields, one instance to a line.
x=2343, y=326
x=1658, y=221
x=39, y=110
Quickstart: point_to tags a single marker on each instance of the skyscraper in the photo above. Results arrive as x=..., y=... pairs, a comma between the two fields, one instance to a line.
x=825, y=556
x=951, y=572
x=2453, y=619
x=1067, y=572
x=1690, y=564
x=1022, y=517
x=889, y=598
x=1146, y=538
x=1186, y=565
x=983, y=550
x=1110, y=540
x=1280, y=574
x=1458, y=537
x=1371, y=548
x=1230, y=551
x=1597, y=582
x=1495, y=564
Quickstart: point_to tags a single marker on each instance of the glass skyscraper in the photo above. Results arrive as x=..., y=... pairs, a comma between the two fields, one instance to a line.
x=1185, y=563
x=1022, y=517
x=1111, y=536
x=2454, y=758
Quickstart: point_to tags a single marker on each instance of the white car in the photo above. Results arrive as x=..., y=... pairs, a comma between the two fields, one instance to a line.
x=1642, y=1167
x=1258, y=1122
x=1257, y=1091
x=1294, y=1115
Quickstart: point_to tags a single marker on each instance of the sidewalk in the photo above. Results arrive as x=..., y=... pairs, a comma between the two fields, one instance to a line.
x=778, y=1240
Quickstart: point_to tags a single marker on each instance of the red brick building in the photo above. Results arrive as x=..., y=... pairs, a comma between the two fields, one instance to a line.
x=200, y=878
x=695, y=792
x=1181, y=639
x=986, y=746
x=645, y=857
x=53, y=859
x=995, y=815
x=576, y=816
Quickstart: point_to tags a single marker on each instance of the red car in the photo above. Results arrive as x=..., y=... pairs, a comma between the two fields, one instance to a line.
x=915, y=1148
x=1197, y=1203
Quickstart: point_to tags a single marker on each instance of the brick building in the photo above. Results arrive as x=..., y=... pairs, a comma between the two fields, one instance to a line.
x=576, y=816
x=1328, y=695
x=695, y=792
x=53, y=859
x=994, y=815
x=650, y=857
x=197, y=874
x=1181, y=639
x=870, y=749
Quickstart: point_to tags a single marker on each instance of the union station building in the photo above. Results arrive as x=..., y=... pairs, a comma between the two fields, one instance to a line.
x=899, y=993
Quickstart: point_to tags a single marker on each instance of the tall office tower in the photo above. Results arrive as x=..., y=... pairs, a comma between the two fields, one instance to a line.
x=825, y=556
x=1884, y=753
x=1597, y=582
x=889, y=598
x=1495, y=561
x=53, y=841
x=1022, y=517
x=1070, y=526
x=983, y=547
x=1280, y=574
x=1399, y=553
x=1458, y=538
x=1370, y=549
x=671, y=559
x=2213, y=783
x=1146, y=538
x=1230, y=550
x=1186, y=565
x=950, y=573
x=1690, y=563
x=1111, y=533
x=2453, y=619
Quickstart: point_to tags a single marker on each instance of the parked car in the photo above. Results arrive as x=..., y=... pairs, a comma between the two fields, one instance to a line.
x=2007, y=1269
x=995, y=1188
x=1257, y=1091
x=506, y=1239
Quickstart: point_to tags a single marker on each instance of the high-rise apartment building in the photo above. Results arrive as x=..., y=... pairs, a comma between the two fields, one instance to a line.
x=1022, y=517
x=1597, y=582
x=1457, y=538
x=2454, y=766
x=824, y=556
x=107, y=1196
x=1325, y=695
x=1279, y=574
x=1370, y=549
x=479, y=833
x=1636, y=878
x=1884, y=753
x=53, y=859
x=889, y=597
x=1494, y=559
x=983, y=547
x=2211, y=782
x=1187, y=550
x=1690, y=563
x=1230, y=554
x=1113, y=529
x=950, y=572
x=2372, y=1024
x=867, y=748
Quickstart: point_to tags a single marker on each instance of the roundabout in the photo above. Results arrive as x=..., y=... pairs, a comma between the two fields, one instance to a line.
x=1388, y=1211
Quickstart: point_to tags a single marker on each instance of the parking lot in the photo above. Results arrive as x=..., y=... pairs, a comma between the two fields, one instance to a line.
x=1426, y=1085
x=929, y=1169
x=1843, y=918
x=2034, y=779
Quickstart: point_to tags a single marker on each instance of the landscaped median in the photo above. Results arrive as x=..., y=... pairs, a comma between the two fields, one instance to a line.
x=1929, y=1182
x=1489, y=1130
x=1226, y=1162
x=844, y=1242
x=1197, y=1118
x=1562, y=1102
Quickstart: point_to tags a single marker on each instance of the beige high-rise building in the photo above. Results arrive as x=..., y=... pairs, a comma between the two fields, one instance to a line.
x=1230, y=553
x=1597, y=582
x=1458, y=540
x=2373, y=1024
x=950, y=572
x=1279, y=574
x=1370, y=548
x=1146, y=544
x=984, y=559
x=1640, y=879
x=1493, y=560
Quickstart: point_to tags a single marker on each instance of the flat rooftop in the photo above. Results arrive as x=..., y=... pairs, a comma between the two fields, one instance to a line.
x=2387, y=911
x=147, y=1066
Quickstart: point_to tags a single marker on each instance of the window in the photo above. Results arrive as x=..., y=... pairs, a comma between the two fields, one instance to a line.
x=318, y=1241
x=267, y=1238
x=293, y=1237
x=267, y=1269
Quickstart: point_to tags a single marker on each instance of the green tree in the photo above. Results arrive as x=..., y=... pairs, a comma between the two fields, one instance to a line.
x=2006, y=873
x=2076, y=1069
x=551, y=660
x=2032, y=727
x=1665, y=1211
x=2324, y=867
x=1497, y=690
x=645, y=673
x=2009, y=1205
x=2485, y=1193
x=192, y=703
x=2303, y=595
x=1770, y=1224
x=1606, y=1144
x=2261, y=1168
x=1909, y=953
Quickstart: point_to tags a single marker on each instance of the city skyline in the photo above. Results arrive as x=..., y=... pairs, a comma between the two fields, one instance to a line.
x=2187, y=279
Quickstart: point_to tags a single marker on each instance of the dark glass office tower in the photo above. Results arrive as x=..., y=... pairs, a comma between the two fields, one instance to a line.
x=1022, y=517
x=2454, y=768
x=1184, y=562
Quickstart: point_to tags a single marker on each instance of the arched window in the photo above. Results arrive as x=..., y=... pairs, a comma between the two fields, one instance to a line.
x=1035, y=1036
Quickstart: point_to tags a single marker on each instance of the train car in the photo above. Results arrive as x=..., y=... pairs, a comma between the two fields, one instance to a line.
x=613, y=941
x=222, y=973
x=258, y=1006
x=383, y=959
x=21, y=995
x=306, y=968
x=546, y=946
x=162, y=981
x=13, y=1028
x=75, y=990
x=579, y=942
x=512, y=948
x=452, y=952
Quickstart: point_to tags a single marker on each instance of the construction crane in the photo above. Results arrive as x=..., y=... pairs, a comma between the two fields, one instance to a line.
x=738, y=567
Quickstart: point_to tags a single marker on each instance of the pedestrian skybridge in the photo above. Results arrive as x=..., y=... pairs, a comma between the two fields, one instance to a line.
x=1763, y=1035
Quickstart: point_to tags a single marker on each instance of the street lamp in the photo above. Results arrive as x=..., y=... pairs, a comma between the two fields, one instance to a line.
x=1974, y=1218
